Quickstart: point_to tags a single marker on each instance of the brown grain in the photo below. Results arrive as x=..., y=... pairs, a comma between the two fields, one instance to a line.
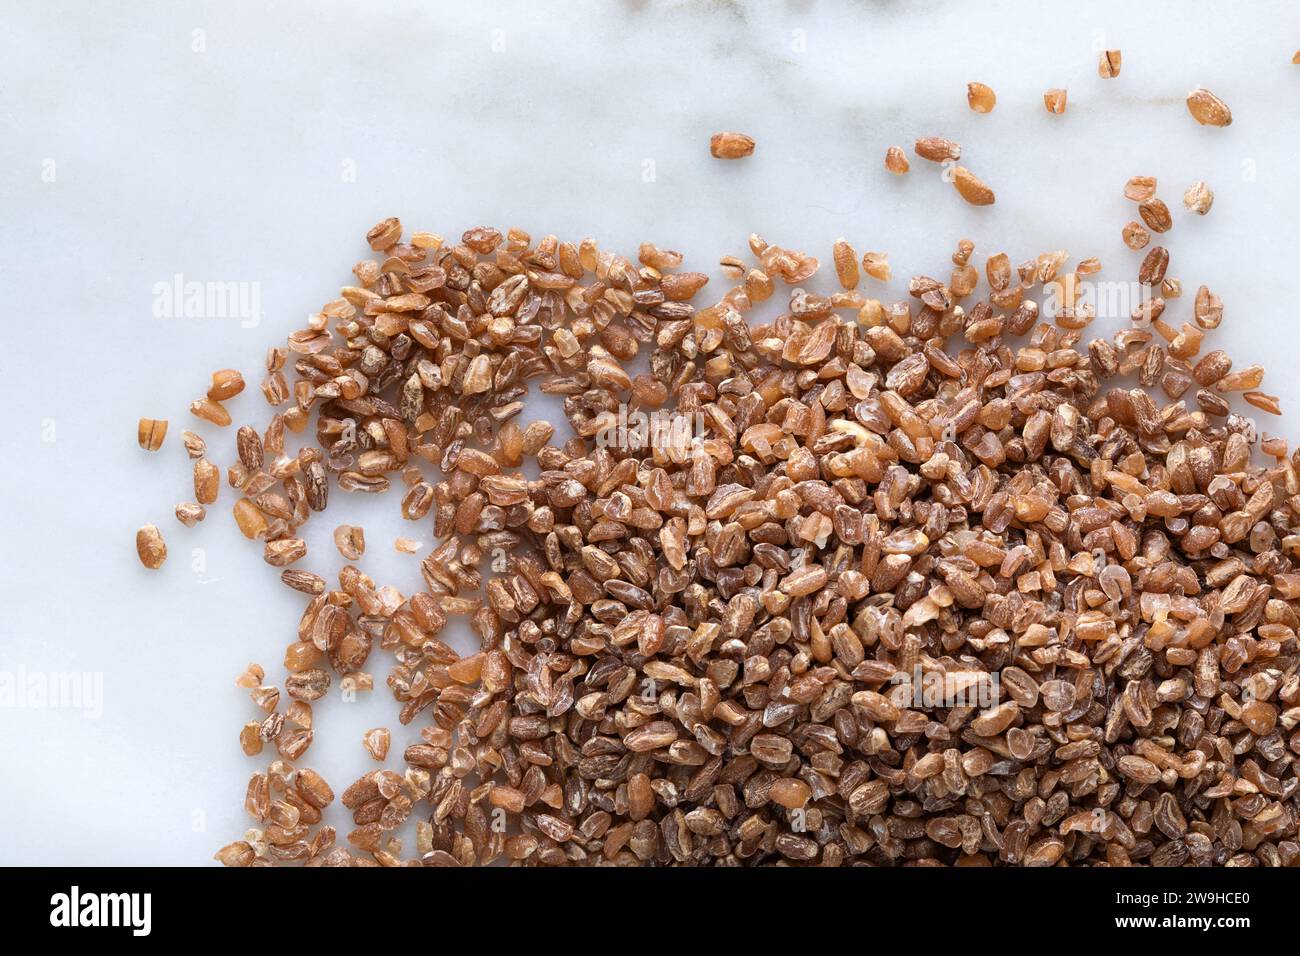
x=1135, y=235
x=1155, y=214
x=980, y=98
x=210, y=411
x=190, y=513
x=1140, y=188
x=730, y=145
x=1152, y=270
x=377, y=742
x=876, y=265
x=937, y=149
x=151, y=548
x=896, y=161
x=1207, y=109
x=195, y=446
x=846, y=264
x=1198, y=198
x=207, y=481
x=226, y=384
x=1267, y=403
x=350, y=540
x=252, y=523
x=1207, y=309
x=150, y=433
x=303, y=581
x=284, y=551
x=971, y=188
x=384, y=235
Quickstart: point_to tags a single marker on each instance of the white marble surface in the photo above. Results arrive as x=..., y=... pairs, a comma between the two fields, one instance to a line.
x=256, y=142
